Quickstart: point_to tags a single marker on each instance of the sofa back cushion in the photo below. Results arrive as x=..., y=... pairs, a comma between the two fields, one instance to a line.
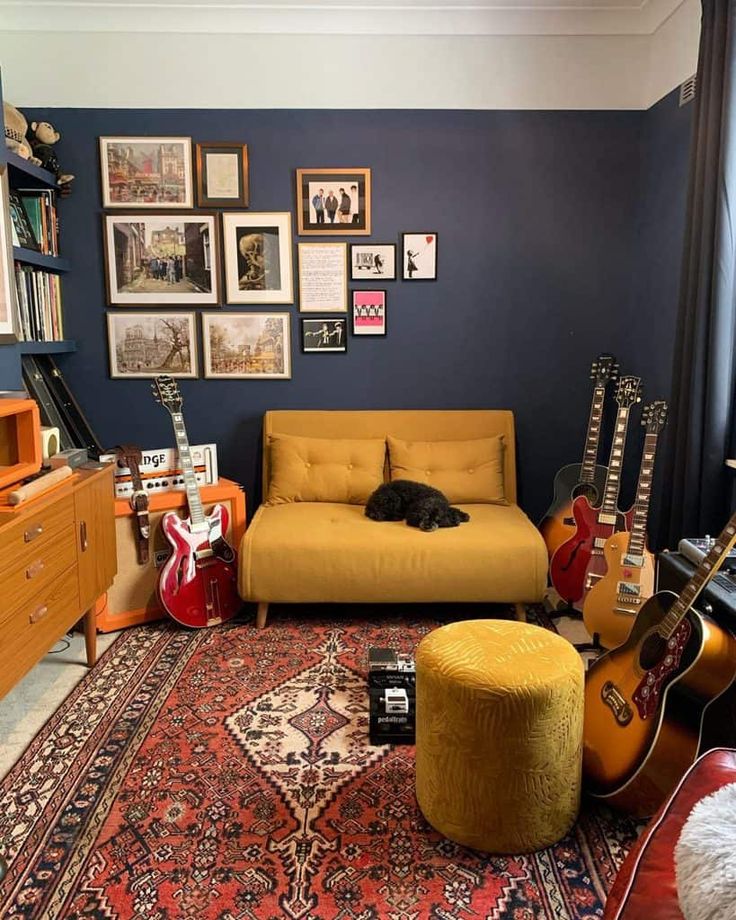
x=325, y=469
x=466, y=471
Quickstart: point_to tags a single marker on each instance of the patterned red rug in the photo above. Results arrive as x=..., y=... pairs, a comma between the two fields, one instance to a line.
x=227, y=774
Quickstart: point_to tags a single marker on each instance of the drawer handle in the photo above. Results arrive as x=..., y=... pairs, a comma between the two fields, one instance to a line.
x=35, y=568
x=30, y=535
x=39, y=613
x=83, y=535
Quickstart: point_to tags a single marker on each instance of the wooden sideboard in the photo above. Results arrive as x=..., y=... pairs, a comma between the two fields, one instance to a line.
x=56, y=557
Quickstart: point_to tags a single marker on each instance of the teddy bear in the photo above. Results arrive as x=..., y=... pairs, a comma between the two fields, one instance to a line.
x=15, y=133
x=42, y=136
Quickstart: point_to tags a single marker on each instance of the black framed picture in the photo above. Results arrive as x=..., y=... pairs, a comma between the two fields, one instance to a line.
x=21, y=222
x=419, y=256
x=328, y=335
x=373, y=262
x=222, y=175
x=334, y=202
x=369, y=313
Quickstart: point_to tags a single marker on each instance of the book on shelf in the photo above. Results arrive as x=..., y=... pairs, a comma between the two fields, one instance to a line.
x=23, y=234
x=39, y=206
x=39, y=304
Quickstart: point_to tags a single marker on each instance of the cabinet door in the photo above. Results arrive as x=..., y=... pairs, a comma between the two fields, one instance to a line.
x=95, y=519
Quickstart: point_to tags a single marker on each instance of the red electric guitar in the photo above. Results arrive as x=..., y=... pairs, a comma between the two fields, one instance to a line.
x=198, y=585
x=579, y=562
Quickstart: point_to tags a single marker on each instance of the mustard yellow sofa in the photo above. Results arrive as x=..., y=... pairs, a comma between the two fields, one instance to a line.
x=321, y=551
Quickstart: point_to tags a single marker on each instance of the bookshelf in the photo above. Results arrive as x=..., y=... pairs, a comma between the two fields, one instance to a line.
x=48, y=263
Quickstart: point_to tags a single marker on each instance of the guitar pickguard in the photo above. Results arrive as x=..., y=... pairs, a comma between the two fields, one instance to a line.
x=648, y=693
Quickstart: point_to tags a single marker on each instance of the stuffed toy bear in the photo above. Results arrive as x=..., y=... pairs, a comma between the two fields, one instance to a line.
x=15, y=133
x=42, y=136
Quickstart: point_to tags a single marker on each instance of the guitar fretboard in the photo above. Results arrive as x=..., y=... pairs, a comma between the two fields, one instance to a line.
x=196, y=512
x=638, y=535
x=592, y=440
x=609, y=505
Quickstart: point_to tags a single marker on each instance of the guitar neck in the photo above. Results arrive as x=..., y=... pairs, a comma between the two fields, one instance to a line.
x=592, y=438
x=609, y=505
x=196, y=512
x=638, y=535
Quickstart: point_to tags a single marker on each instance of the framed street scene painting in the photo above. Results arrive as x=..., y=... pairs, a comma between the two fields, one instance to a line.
x=222, y=175
x=369, y=313
x=247, y=346
x=373, y=261
x=323, y=277
x=258, y=257
x=324, y=335
x=162, y=259
x=146, y=172
x=419, y=256
x=148, y=344
x=334, y=202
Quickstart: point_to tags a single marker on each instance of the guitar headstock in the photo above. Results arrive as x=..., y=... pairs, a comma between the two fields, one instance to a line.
x=654, y=416
x=628, y=392
x=166, y=391
x=604, y=369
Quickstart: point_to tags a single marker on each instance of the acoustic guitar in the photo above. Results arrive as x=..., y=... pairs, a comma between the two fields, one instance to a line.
x=645, y=700
x=611, y=605
x=197, y=584
x=578, y=563
x=587, y=478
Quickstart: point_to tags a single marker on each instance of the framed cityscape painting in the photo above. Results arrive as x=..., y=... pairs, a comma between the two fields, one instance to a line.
x=146, y=172
x=148, y=344
x=419, y=256
x=246, y=346
x=258, y=257
x=162, y=259
x=334, y=202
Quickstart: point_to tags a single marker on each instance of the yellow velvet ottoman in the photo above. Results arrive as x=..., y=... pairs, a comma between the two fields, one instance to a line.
x=499, y=708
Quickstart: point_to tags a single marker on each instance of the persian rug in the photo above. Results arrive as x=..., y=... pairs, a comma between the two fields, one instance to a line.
x=226, y=774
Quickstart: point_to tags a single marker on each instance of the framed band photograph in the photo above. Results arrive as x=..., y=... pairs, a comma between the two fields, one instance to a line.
x=222, y=175
x=146, y=172
x=369, y=313
x=324, y=335
x=323, y=277
x=334, y=202
x=419, y=256
x=257, y=248
x=149, y=344
x=162, y=259
x=247, y=346
x=373, y=262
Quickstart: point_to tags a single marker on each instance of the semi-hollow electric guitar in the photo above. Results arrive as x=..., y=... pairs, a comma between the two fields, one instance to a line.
x=578, y=563
x=645, y=700
x=197, y=585
x=612, y=604
x=587, y=478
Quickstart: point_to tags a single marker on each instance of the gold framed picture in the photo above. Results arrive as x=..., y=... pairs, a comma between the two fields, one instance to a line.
x=146, y=172
x=334, y=202
x=257, y=249
x=222, y=175
x=149, y=344
x=247, y=346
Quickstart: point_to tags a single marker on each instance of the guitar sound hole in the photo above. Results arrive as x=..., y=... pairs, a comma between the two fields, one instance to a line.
x=587, y=490
x=652, y=651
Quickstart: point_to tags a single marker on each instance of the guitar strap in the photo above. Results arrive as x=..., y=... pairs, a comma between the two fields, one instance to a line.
x=130, y=457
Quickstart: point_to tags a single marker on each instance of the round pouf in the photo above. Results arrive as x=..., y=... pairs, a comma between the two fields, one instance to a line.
x=499, y=708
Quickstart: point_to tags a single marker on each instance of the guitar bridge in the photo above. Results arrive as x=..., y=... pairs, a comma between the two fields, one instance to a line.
x=613, y=698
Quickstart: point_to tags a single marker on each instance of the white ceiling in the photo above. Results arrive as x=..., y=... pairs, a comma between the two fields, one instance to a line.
x=377, y=17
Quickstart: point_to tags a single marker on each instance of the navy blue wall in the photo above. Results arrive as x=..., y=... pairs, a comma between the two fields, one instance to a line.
x=546, y=257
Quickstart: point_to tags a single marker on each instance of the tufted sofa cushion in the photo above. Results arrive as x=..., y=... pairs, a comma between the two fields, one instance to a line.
x=325, y=469
x=466, y=471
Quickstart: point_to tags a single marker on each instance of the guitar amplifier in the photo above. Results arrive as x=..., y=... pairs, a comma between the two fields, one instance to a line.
x=161, y=471
x=133, y=596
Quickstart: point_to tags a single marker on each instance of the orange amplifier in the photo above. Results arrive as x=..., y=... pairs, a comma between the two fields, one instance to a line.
x=133, y=597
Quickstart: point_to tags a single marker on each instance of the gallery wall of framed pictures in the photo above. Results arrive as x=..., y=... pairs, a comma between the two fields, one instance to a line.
x=162, y=254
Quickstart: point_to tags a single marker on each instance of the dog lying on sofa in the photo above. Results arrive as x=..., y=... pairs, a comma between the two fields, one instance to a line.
x=421, y=505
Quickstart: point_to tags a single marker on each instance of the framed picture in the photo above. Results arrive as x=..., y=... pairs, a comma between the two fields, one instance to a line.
x=373, y=261
x=7, y=280
x=324, y=335
x=369, y=313
x=419, y=256
x=323, y=277
x=21, y=224
x=334, y=202
x=148, y=344
x=247, y=346
x=162, y=259
x=222, y=175
x=258, y=257
x=146, y=172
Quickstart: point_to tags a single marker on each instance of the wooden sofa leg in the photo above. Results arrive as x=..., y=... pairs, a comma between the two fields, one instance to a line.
x=520, y=612
x=261, y=615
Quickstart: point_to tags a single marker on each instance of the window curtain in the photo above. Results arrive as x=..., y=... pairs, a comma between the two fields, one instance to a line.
x=697, y=483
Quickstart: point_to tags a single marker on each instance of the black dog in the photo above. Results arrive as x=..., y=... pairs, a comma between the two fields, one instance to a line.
x=422, y=506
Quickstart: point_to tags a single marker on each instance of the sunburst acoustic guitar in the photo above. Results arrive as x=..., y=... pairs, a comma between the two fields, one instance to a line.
x=645, y=700
x=612, y=603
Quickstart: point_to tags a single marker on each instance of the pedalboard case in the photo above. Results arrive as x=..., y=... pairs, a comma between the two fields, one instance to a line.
x=392, y=697
x=133, y=597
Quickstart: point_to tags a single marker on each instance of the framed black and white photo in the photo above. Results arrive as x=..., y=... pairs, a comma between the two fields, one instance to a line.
x=257, y=249
x=373, y=262
x=148, y=344
x=146, y=172
x=334, y=202
x=323, y=277
x=324, y=335
x=369, y=313
x=162, y=259
x=247, y=346
x=222, y=175
x=419, y=256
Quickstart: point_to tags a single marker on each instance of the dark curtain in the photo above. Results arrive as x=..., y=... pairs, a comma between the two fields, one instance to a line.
x=697, y=484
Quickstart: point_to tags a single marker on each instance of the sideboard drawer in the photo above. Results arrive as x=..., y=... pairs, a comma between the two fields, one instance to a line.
x=22, y=538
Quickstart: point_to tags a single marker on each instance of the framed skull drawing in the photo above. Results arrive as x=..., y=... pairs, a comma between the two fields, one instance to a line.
x=257, y=250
